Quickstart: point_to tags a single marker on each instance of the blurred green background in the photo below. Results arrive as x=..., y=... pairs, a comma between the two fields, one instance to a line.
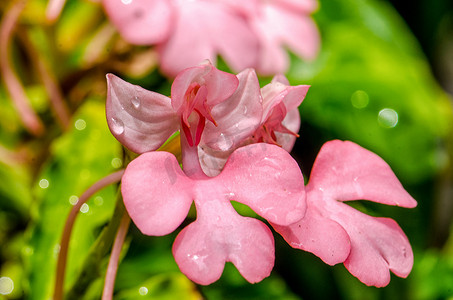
x=380, y=80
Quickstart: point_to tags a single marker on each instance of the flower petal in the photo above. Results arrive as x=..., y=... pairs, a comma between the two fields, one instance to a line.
x=220, y=235
x=141, y=120
x=237, y=117
x=292, y=123
x=266, y=178
x=156, y=193
x=377, y=246
x=219, y=85
x=134, y=18
x=347, y=171
x=319, y=235
x=205, y=29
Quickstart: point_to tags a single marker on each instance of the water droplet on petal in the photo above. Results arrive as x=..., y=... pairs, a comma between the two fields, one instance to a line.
x=117, y=126
x=136, y=102
x=245, y=110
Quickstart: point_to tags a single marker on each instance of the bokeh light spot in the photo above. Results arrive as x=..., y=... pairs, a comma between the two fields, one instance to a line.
x=84, y=208
x=6, y=285
x=117, y=162
x=360, y=99
x=143, y=291
x=388, y=118
x=80, y=124
x=73, y=199
x=44, y=183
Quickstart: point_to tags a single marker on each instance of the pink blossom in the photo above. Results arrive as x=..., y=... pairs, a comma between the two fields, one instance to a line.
x=252, y=33
x=158, y=194
x=279, y=125
x=143, y=120
x=368, y=246
x=284, y=23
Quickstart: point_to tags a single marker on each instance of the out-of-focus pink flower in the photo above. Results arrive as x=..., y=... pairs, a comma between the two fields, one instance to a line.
x=279, y=125
x=284, y=23
x=143, y=120
x=368, y=246
x=158, y=194
x=251, y=33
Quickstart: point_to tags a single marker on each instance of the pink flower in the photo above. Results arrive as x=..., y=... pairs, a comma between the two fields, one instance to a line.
x=158, y=194
x=368, y=246
x=284, y=23
x=279, y=125
x=280, y=122
x=246, y=34
x=143, y=120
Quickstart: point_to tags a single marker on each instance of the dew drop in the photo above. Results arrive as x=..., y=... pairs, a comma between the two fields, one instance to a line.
x=136, y=102
x=117, y=126
x=244, y=111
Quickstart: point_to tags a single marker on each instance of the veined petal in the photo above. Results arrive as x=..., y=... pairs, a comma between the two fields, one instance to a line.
x=292, y=123
x=141, y=120
x=237, y=117
x=278, y=92
x=377, y=246
x=219, y=85
x=220, y=235
x=141, y=22
x=156, y=193
x=347, y=171
x=319, y=235
x=266, y=178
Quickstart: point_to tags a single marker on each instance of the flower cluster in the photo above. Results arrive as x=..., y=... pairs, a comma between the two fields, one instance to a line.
x=246, y=34
x=235, y=139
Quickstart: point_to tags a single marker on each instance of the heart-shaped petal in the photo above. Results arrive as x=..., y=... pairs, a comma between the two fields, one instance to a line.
x=377, y=246
x=220, y=235
x=156, y=193
x=319, y=235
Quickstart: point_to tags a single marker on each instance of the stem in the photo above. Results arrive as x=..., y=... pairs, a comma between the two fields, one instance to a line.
x=115, y=256
x=53, y=90
x=64, y=244
x=12, y=83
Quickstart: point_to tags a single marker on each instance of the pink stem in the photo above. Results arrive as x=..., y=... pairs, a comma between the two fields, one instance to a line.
x=64, y=244
x=115, y=256
x=30, y=119
x=56, y=98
